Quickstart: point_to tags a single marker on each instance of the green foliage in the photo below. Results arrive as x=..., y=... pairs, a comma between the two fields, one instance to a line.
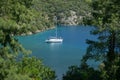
x=35, y=15
x=110, y=70
x=28, y=68
x=84, y=72
x=105, y=18
x=15, y=19
x=51, y=8
x=34, y=68
x=18, y=17
x=15, y=16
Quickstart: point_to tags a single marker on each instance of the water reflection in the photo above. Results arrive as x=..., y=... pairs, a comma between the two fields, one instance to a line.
x=54, y=46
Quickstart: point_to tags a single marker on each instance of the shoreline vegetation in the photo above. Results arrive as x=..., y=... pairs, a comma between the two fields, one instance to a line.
x=67, y=13
x=38, y=31
x=35, y=32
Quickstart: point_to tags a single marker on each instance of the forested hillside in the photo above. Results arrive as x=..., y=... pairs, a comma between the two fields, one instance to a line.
x=42, y=12
x=69, y=12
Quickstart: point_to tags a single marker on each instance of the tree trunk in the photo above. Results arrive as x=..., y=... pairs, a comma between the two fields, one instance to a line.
x=111, y=47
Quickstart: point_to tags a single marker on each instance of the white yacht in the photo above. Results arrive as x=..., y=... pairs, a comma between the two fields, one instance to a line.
x=55, y=39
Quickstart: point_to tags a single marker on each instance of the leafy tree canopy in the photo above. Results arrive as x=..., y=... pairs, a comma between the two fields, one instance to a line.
x=18, y=17
x=106, y=19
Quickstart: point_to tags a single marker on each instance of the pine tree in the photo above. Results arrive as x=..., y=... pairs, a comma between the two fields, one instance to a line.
x=105, y=19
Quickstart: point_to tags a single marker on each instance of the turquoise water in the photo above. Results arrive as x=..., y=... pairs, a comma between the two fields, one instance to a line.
x=59, y=56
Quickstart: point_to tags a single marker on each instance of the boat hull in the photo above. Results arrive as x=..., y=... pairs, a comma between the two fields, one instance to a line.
x=54, y=40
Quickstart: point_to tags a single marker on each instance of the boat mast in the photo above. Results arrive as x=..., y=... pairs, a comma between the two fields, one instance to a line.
x=56, y=31
x=55, y=21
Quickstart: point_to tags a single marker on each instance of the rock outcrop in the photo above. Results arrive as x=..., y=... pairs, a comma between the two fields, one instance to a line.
x=72, y=19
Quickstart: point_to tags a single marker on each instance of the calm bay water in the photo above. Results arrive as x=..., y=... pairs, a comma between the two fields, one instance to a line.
x=59, y=56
